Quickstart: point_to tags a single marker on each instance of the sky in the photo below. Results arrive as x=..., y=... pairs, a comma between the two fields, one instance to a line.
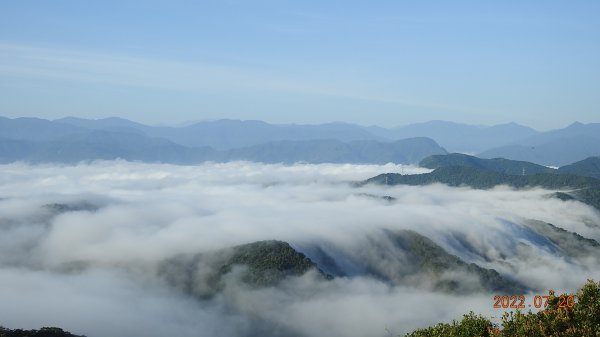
x=384, y=63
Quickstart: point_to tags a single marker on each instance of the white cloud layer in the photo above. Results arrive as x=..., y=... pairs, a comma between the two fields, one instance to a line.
x=86, y=270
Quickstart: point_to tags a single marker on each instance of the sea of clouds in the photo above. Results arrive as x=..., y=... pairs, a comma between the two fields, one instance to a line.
x=87, y=270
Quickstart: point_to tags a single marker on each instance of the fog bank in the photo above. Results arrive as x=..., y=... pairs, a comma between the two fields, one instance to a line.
x=79, y=246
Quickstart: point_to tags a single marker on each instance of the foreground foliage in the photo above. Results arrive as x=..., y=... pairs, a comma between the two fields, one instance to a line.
x=43, y=332
x=583, y=319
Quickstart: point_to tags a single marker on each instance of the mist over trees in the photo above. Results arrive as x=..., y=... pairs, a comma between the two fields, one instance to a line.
x=242, y=248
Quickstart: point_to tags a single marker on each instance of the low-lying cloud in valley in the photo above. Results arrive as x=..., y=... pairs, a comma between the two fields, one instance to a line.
x=85, y=247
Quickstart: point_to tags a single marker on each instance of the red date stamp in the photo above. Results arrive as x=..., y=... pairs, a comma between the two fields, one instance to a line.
x=520, y=302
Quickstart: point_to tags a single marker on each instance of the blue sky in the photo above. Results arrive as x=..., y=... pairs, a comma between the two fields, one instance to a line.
x=368, y=62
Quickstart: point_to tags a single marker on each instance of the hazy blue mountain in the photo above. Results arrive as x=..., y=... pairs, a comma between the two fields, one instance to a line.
x=576, y=129
x=228, y=134
x=107, y=145
x=555, y=148
x=334, y=151
x=15, y=150
x=100, y=124
x=589, y=167
x=497, y=164
x=36, y=129
x=70, y=140
x=262, y=141
x=456, y=137
x=557, y=152
x=101, y=145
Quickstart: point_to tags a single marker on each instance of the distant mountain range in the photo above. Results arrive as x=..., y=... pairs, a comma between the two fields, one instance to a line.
x=115, y=145
x=404, y=151
x=73, y=139
x=456, y=137
x=556, y=148
x=230, y=134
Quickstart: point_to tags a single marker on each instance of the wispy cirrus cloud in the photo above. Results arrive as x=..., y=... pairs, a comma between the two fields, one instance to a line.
x=24, y=61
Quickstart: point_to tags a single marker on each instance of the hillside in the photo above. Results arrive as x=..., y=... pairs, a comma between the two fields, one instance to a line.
x=434, y=263
x=407, y=258
x=589, y=167
x=585, y=189
x=263, y=263
x=501, y=165
x=484, y=179
x=571, y=244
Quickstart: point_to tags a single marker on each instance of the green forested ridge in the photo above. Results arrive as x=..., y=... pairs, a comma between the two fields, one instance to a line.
x=432, y=260
x=589, y=167
x=501, y=165
x=263, y=263
x=570, y=243
x=581, y=320
x=590, y=196
x=483, y=179
x=585, y=189
x=268, y=262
